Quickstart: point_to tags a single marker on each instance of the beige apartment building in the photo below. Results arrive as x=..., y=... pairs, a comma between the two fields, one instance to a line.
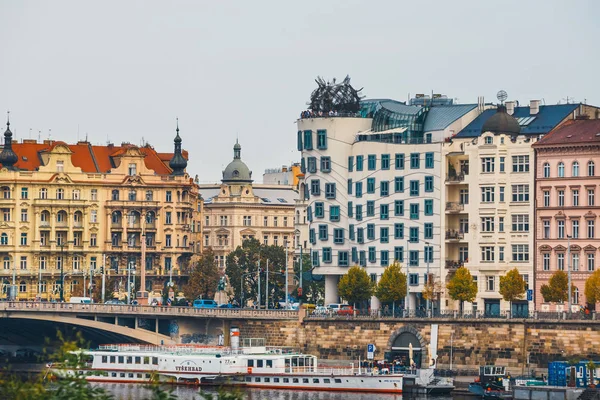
x=68, y=210
x=237, y=210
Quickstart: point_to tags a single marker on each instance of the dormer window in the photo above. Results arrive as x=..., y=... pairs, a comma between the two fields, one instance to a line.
x=60, y=166
x=132, y=169
x=489, y=140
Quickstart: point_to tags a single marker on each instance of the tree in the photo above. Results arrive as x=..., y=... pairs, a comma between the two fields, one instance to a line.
x=556, y=289
x=204, y=277
x=431, y=289
x=355, y=286
x=462, y=287
x=313, y=285
x=512, y=286
x=392, y=285
x=592, y=288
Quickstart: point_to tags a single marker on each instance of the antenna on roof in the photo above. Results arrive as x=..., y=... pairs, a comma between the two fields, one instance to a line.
x=30, y=129
x=86, y=137
x=78, y=132
x=49, y=134
x=39, y=136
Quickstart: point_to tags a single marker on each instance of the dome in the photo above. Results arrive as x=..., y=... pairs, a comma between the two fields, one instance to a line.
x=501, y=122
x=237, y=170
x=8, y=157
x=178, y=163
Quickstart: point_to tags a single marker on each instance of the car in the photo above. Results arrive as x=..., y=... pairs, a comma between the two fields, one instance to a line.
x=204, y=303
x=347, y=310
x=321, y=310
x=181, y=302
x=335, y=307
x=227, y=305
x=114, y=302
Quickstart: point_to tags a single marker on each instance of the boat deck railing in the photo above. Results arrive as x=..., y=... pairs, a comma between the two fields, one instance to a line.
x=195, y=349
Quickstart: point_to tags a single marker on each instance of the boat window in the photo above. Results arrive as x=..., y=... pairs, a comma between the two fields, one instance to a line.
x=304, y=380
x=315, y=380
x=130, y=375
x=122, y=374
x=139, y=375
x=338, y=381
x=295, y=380
x=146, y=360
x=104, y=359
x=138, y=360
x=155, y=360
x=112, y=359
x=121, y=359
x=259, y=363
x=269, y=363
x=287, y=362
x=499, y=370
x=301, y=362
x=148, y=376
x=276, y=380
x=488, y=371
x=251, y=363
x=286, y=380
x=129, y=360
x=256, y=379
x=113, y=374
x=248, y=379
x=267, y=379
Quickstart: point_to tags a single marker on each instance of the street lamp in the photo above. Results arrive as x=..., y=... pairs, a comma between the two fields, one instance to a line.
x=62, y=245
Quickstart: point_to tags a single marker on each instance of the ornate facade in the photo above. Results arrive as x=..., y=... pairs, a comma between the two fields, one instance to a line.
x=77, y=208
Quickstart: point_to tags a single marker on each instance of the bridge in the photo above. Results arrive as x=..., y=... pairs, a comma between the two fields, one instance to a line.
x=146, y=324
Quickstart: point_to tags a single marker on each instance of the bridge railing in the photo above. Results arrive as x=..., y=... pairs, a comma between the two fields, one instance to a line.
x=157, y=311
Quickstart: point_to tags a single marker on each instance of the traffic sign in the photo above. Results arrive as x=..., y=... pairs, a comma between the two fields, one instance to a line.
x=529, y=294
x=370, y=351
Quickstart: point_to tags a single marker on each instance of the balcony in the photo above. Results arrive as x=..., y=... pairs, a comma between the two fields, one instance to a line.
x=455, y=178
x=453, y=234
x=454, y=264
x=452, y=206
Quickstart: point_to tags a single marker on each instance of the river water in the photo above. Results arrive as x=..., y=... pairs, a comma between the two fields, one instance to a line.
x=139, y=392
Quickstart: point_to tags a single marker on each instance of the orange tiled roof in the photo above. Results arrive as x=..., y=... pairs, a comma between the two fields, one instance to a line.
x=88, y=157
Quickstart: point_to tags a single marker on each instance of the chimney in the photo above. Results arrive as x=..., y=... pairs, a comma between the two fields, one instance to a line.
x=510, y=107
x=534, y=107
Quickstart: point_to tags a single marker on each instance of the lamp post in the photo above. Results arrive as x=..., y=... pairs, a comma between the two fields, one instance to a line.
x=62, y=245
x=569, y=269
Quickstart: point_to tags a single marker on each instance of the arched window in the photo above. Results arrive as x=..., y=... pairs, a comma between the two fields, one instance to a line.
x=6, y=262
x=78, y=217
x=5, y=192
x=132, y=195
x=546, y=170
x=489, y=140
x=150, y=217
x=591, y=168
x=114, y=195
x=22, y=287
x=45, y=218
x=576, y=295
x=185, y=241
x=4, y=239
x=575, y=168
x=561, y=169
x=61, y=216
x=116, y=217
x=133, y=218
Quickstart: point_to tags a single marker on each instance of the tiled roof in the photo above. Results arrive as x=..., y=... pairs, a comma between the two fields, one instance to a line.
x=439, y=117
x=543, y=122
x=88, y=157
x=578, y=131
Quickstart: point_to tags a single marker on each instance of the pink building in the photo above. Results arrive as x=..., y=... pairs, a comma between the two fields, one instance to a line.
x=567, y=207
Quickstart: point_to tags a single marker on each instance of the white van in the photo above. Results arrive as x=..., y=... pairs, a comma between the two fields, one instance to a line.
x=335, y=307
x=81, y=300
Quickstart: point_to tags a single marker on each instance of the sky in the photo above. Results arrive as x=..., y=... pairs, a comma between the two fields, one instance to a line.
x=123, y=71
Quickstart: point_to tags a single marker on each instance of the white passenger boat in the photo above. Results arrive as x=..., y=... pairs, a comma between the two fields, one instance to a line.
x=252, y=365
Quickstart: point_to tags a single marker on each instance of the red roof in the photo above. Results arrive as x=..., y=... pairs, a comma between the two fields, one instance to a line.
x=573, y=132
x=88, y=157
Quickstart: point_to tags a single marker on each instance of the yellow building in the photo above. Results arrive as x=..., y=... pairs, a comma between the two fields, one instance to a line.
x=70, y=209
x=237, y=210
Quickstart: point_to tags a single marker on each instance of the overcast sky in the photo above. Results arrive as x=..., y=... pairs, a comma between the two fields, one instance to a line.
x=124, y=70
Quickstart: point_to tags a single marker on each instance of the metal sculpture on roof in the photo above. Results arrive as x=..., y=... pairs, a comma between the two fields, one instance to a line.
x=333, y=96
x=502, y=96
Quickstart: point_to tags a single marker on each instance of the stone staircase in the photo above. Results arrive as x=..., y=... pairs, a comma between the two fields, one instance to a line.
x=590, y=394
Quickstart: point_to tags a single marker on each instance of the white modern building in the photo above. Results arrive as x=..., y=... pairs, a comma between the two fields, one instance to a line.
x=374, y=185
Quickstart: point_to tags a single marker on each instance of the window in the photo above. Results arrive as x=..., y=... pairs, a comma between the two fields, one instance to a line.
x=561, y=170
x=413, y=235
x=322, y=139
x=574, y=264
x=132, y=195
x=502, y=164
x=311, y=237
x=590, y=261
x=24, y=193
x=487, y=165
x=428, y=254
x=398, y=231
x=561, y=198
x=334, y=213
x=490, y=283
x=399, y=161
x=575, y=169
x=370, y=185
x=24, y=215
x=385, y=258
x=413, y=261
x=520, y=223
x=575, y=193
x=399, y=253
x=370, y=208
x=520, y=252
x=414, y=188
x=23, y=239
x=500, y=224
x=167, y=240
x=428, y=160
x=312, y=164
x=501, y=193
x=384, y=188
x=463, y=196
x=370, y=231
x=560, y=224
x=168, y=219
x=247, y=220
x=546, y=261
x=319, y=211
x=359, y=163
x=385, y=161
x=372, y=162
x=350, y=163
x=359, y=208
x=275, y=221
x=489, y=140
x=43, y=193
x=487, y=253
x=349, y=186
x=360, y=235
x=591, y=230
x=487, y=194
x=428, y=230
x=299, y=140
x=398, y=207
x=414, y=161
x=575, y=229
x=168, y=196
x=343, y=258
x=60, y=166
x=93, y=240
x=414, y=211
x=326, y=254
x=372, y=255
x=520, y=193
x=308, y=140
x=520, y=163
x=351, y=232
x=590, y=196
x=330, y=190
x=384, y=211
x=428, y=207
x=23, y=262
x=326, y=164
x=546, y=198
x=384, y=234
x=546, y=170
x=487, y=224
x=358, y=189
x=591, y=168
x=429, y=183
x=132, y=170
x=60, y=194
x=546, y=229
x=399, y=184
x=338, y=236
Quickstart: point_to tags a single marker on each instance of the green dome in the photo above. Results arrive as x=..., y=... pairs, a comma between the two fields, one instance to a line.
x=237, y=171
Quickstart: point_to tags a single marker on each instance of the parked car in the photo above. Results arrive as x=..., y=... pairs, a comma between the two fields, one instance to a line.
x=321, y=310
x=182, y=302
x=114, y=302
x=227, y=305
x=335, y=307
x=347, y=310
x=201, y=303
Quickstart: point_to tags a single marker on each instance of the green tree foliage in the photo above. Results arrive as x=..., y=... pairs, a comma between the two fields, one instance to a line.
x=355, y=286
x=556, y=290
x=512, y=286
x=313, y=285
x=242, y=269
x=592, y=288
x=392, y=285
x=462, y=287
x=204, y=277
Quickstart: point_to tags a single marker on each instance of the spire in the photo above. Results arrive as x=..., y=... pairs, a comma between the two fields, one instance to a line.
x=237, y=151
x=8, y=157
x=177, y=163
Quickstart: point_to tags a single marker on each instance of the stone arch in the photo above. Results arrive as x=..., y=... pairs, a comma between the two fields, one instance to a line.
x=410, y=330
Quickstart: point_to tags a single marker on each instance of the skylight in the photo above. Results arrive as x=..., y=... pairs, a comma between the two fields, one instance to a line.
x=265, y=200
x=524, y=121
x=281, y=200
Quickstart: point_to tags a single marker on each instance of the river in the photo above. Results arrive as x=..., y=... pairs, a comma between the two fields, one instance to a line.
x=139, y=392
